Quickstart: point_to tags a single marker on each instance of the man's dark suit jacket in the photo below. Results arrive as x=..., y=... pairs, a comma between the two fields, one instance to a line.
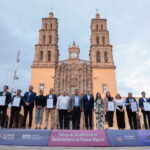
x=88, y=104
x=30, y=99
x=141, y=101
x=54, y=97
x=8, y=98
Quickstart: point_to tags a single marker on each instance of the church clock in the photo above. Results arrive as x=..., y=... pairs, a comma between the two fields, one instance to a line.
x=73, y=55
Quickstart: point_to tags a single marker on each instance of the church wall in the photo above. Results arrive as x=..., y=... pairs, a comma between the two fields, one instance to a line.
x=42, y=76
x=104, y=77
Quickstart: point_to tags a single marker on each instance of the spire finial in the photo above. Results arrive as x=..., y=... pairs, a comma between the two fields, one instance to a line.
x=97, y=10
x=51, y=9
x=97, y=14
x=51, y=13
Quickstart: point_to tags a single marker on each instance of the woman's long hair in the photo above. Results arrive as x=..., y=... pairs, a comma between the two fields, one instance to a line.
x=98, y=96
x=108, y=95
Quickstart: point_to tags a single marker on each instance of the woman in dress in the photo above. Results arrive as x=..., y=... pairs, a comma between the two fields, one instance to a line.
x=120, y=112
x=109, y=113
x=99, y=110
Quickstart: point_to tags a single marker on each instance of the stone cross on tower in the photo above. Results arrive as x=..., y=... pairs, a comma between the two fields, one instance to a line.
x=97, y=10
x=52, y=9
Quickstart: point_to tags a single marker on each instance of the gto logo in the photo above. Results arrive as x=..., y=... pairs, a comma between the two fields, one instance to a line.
x=26, y=136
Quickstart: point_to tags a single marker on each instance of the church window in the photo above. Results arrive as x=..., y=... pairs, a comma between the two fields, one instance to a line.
x=50, y=39
x=98, y=56
x=41, y=86
x=97, y=27
x=51, y=25
x=103, y=40
x=41, y=55
x=101, y=27
x=46, y=26
x=105, y=88
x=49, y=56
x=97, y=40
x=106, y=56
x=44, y=38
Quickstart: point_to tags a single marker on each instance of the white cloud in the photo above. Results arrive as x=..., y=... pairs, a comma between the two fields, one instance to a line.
x=128, y=23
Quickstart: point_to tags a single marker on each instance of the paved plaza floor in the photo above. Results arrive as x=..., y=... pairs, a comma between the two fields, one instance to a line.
x=71, y=148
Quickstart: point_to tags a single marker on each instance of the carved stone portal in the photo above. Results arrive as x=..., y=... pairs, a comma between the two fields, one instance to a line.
x=72, y=74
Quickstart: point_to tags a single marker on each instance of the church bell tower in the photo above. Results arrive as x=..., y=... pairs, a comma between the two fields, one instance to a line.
x=46, y=55
x=101, y=57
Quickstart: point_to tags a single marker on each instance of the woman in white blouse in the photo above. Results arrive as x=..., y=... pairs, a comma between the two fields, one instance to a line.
x=120, y=112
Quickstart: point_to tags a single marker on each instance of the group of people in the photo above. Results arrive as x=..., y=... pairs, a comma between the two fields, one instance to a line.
x=103, y=108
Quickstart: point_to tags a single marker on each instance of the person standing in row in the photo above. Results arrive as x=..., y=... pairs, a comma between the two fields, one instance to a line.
x=40, y=103
x=109, y=113
x=29, y=98
x=88, y=105
x=120, y=112
x=51, y=101
x=146, y=113
x=99, y=110
x=63, y=107
x=5, y=99
x=17, y=102
x=76, y=107
x=131, y=110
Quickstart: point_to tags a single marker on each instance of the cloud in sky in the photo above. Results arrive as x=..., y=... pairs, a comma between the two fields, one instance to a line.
x=128, y=24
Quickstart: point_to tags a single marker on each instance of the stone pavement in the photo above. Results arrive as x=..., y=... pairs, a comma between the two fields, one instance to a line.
x=71, y=148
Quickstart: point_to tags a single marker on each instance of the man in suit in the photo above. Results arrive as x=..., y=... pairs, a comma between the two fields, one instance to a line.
x=29, y=98
x=3, y=107
x=131, y=115
x=142, y=100
x=51, y=96
x=15, y=108
x=88, y=105
x=75, y=105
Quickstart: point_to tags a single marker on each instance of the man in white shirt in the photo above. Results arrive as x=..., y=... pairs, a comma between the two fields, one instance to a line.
x=63, y=106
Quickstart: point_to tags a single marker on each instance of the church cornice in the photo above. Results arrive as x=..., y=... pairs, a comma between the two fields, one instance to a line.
x=44, y=66
x=46, y=45
x=103, y=66
x=101, y=45
x=47, y=30
x=49, y=18
x=99, y=19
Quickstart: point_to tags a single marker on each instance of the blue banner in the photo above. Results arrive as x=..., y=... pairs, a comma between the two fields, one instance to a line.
x=29, y=137
x=123, y=137
x=144, y=136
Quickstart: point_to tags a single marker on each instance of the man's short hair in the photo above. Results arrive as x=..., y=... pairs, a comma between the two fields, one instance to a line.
x=19, y=90
x=142, y=92
x=6, y=86
x=51, y=89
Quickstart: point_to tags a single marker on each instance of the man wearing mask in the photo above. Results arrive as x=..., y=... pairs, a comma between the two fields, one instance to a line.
x=130, y=112
x=29, y=98
x=5, y=99
x=17, y=102
x=76, y=107
x=146, y=113
x=51, y=101
x=88, y=105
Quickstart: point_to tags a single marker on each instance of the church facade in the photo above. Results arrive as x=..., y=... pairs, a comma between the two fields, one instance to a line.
x=97, y=74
